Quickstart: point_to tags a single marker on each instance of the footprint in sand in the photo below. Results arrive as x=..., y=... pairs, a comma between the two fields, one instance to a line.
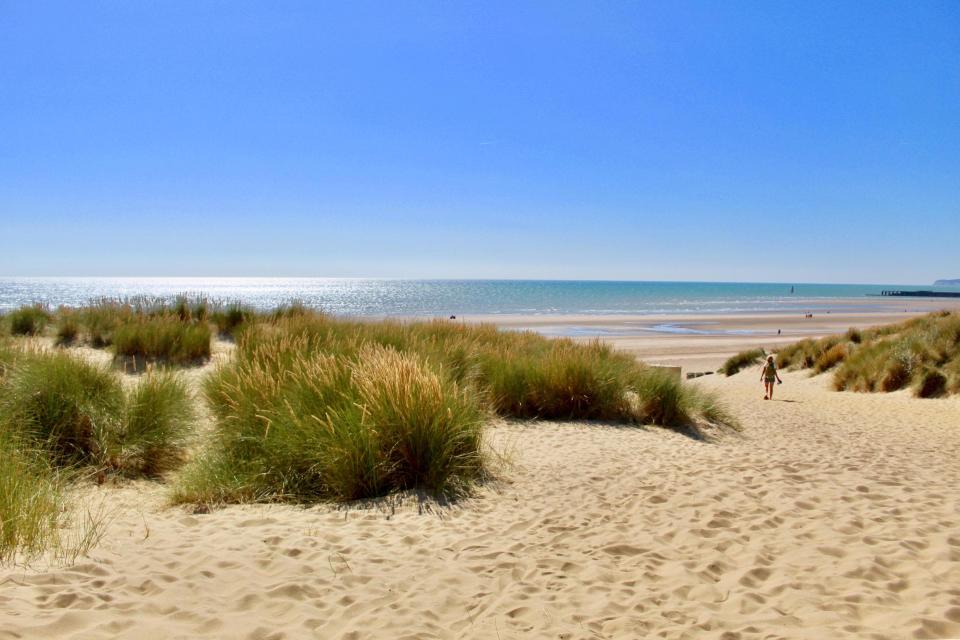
x=755, y=577
x=624, y=550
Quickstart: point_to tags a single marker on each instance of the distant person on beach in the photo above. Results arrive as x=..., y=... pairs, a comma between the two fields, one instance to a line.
x=768, y=376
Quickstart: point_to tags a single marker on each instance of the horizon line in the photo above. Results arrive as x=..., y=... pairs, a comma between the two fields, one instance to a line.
x=474, y=279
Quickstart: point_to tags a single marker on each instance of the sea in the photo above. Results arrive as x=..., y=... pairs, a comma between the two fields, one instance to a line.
x=432, y=298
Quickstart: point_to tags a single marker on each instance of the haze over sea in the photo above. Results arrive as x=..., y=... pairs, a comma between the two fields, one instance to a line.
x=387, y=297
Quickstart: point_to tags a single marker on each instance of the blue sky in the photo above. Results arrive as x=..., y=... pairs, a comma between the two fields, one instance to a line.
x=761, y=141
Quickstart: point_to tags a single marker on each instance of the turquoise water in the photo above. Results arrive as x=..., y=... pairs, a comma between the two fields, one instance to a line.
x=369, y=297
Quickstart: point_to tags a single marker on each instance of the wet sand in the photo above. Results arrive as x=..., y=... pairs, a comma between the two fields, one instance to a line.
x=702, y=342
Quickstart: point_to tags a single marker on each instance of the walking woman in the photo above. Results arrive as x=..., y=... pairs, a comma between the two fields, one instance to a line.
x=768, y=376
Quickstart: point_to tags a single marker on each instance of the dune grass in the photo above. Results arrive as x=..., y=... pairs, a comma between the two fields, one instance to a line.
x=162, y=338
x=810, y=354
x=146, y=329
x=143, y=330
x=30, y=496
x=8, y=355
x=188, y=308
x=29, y=320
x=918, y=354
x=78, y=413
x=34, y=509
x=68, y=326
x=300, y=426
x=62, y=418
x=37, y=515
x=97, y=322
x=952, y=372
x=314, y=408
x=293, y=309
x=31, y=499
x=230, y=318
x=830, y=357
x=157, y=420
x=62, y=404
x=922, y=353
x=520, y=375
x=100, y=319
x=742, y=360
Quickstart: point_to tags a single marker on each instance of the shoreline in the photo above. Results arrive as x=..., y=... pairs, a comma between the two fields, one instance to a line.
x=706, y=340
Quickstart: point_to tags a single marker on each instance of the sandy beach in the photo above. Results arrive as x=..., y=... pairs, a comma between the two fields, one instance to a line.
x=703, y=342
x=832, y=515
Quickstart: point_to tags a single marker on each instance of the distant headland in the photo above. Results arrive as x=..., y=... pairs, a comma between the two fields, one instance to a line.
x=947, y=283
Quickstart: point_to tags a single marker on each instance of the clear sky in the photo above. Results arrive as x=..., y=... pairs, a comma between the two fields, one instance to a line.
x=763, y=141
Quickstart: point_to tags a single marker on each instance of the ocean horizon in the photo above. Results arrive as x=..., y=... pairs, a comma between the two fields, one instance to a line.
x=435, y=297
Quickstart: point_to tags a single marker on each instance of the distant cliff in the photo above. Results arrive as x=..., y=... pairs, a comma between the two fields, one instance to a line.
x=947, y=283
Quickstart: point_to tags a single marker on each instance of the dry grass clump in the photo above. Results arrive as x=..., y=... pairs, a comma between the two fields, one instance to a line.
x=830, y=358
x=793, y=356
x=29, y=320
x=742, y=360
x=8, y=355
x=864, y=367
x=922, y=353
x=807, y=353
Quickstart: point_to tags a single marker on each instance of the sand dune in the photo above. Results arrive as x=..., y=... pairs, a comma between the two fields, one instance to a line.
x=832, y=516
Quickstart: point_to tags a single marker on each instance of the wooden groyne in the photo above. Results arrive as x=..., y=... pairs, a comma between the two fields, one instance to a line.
x=921, y=294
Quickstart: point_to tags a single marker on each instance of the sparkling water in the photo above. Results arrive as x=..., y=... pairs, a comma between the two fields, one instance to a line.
x=369, y=297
